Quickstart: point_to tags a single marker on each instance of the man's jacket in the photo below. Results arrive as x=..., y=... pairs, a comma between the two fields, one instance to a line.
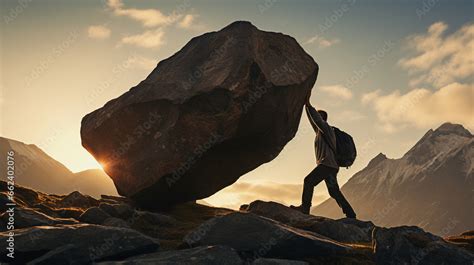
x=324, y=153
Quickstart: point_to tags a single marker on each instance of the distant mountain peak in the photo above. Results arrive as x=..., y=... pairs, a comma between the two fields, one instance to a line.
x=452, y=128
x=446, y=137
x=377, y=159
x=240, y=23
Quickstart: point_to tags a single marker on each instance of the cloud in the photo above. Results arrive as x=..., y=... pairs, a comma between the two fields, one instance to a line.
x=349, y=115
x=147, y=39
x=438, y=58
x=115, y=4
x=369, y=97
x=189, y=22
x=442, y=88
x=98, y=32
x=321, y=41
x=337, y=91
x=141, y=62
x=245, y=192
x=424, y=108
x=148, y=17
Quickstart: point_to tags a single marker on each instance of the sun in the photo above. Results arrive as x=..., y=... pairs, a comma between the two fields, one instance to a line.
x=103, y=165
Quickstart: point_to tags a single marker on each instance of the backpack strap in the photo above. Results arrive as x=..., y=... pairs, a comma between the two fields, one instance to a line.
x=327, y=142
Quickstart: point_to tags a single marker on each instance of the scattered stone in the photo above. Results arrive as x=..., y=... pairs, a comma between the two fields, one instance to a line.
x=262, y=261
x=124, y=211
x=152, y=218
x=108, y=208
x=94, y=215
x=412, y=245
x=344, y=230
x=464, y=240
x=3, y=201
x=77, y=199
x=205, y=255
x=87, y=244
x=26, y=217
x=23, y=195
x=116, y=222
x=256, y=237
x=115, y=199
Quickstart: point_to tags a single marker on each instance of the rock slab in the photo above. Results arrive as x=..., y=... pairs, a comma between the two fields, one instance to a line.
x=412, y=245
x=344, y=230
x=206, y=255
x=255, y=237
x=79, y=243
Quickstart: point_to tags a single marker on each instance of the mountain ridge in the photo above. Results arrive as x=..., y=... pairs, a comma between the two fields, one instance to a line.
x=36, y=169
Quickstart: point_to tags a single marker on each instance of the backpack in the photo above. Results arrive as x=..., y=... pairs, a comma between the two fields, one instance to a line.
x=346, y=151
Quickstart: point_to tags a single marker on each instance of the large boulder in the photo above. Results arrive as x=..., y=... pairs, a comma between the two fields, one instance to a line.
x=226, y=103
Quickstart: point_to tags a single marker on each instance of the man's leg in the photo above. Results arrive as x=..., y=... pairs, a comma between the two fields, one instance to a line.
x=335, y=192
x=313, y=179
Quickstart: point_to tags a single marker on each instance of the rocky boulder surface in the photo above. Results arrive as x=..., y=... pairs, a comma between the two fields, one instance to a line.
x=224, y=104
x=26, y=217
x=256, y=237
x=412, y=245
x=206, y=255
x=112, y=230
x=343, y=230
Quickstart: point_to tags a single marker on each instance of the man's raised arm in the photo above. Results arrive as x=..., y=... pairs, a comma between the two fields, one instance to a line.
x=314, y=117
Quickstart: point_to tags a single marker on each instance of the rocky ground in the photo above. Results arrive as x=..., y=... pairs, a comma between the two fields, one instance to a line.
x=78, y=229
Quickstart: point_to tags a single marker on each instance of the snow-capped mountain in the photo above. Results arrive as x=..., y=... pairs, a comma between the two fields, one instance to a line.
x=431, y=186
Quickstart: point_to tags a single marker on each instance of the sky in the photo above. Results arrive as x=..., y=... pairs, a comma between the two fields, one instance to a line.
x=389, y=71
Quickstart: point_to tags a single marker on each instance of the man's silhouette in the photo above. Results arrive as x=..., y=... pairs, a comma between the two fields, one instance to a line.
x=327, y=167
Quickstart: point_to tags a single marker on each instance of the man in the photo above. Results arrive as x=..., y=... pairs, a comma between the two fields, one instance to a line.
x=327, y=167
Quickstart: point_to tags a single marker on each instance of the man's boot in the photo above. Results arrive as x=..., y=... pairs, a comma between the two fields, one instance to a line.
x=302, y=208
x=350, y=213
